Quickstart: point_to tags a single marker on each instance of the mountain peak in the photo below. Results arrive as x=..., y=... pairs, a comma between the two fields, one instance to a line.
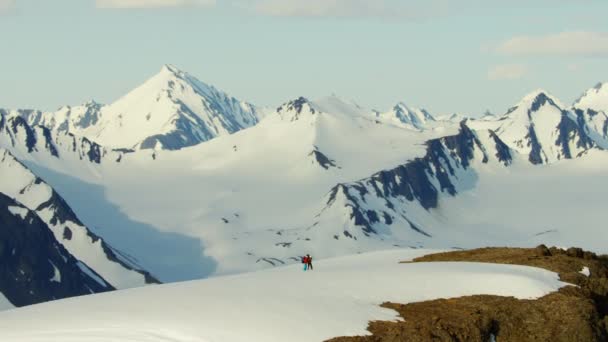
x=600, y=85
x=172, y=108
x=402, y=114
x=295, y=109
x=595, y=98
x=534, y=100
x=170, y=68
x=536, y=94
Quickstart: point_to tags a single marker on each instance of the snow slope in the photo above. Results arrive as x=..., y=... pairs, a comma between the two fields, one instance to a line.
x=271, y=305
x=595, y=98
x=19, y=183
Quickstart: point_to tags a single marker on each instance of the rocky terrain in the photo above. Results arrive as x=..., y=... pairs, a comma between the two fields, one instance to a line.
x=574, y=313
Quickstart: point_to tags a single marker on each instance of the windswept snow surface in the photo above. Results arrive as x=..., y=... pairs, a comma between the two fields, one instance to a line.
x=338, y=298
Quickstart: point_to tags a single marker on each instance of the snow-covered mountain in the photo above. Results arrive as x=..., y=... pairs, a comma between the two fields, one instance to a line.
x=595, y=98
x=67, y=119
x=171, y=110
x=385, y=206
x=539, y=127
x=403, y=115
x=35, y=266
x=592, y=109
x=326, y=177
x=113, y=268
x=454, y=118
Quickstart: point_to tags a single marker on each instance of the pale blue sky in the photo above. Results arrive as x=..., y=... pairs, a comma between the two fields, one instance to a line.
x=445, y=55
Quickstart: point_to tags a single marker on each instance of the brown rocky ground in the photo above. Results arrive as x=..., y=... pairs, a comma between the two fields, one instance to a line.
x=574, y=313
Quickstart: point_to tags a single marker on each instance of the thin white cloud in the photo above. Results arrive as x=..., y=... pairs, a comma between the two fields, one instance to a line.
x=349, y=8
x=578, y=43
x=507, y=72
x=6, y=5
x=130, y=4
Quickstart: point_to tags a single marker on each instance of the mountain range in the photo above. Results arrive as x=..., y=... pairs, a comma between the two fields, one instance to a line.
x=178, y=180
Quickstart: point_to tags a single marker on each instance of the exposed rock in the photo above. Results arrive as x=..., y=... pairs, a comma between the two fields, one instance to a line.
x=574, y=313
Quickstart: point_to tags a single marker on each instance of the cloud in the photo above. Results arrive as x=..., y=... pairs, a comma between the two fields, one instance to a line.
x=129, y=4
x=507, y=72
x=6, y=5
x=348, y=8
x=574, y=44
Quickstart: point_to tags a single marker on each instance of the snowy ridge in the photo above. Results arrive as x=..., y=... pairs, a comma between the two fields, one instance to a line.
x=410, y=117
x=67, y=119
x=272, y=305
x=385, y=205
x=52, y=146
x=541, y=128
x=595, y=99
x=596, y=125
x=296, y=109
x=35, y=266
x=170, y=111
x=21, y=184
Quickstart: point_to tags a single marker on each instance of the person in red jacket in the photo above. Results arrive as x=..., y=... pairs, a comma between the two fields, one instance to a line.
x=309, y=261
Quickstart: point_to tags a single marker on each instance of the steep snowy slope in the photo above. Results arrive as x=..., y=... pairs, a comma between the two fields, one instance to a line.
x=591, y=108
x=595, y=124
x=20, y=183
x=595, y=98
x=170, y=111
x=283, y=304
x=541, y=128
x=52, y=147
x=35, y=266
x=401, y=114
x=388, y=205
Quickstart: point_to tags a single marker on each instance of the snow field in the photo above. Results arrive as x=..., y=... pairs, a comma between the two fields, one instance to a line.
x=338, y=298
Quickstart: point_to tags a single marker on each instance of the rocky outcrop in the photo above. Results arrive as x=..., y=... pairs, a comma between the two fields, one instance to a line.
x=35, y=267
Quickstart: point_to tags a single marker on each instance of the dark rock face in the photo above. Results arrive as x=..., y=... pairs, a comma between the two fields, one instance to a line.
x=537, y=155
x=296, y=105
x=321, y=159
x=35, y=267
x=37, y=136
x=48, y=142
x=416, y=180
x=62, y=213
x=570, y=130
x=17, y=123
x=186, y=133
